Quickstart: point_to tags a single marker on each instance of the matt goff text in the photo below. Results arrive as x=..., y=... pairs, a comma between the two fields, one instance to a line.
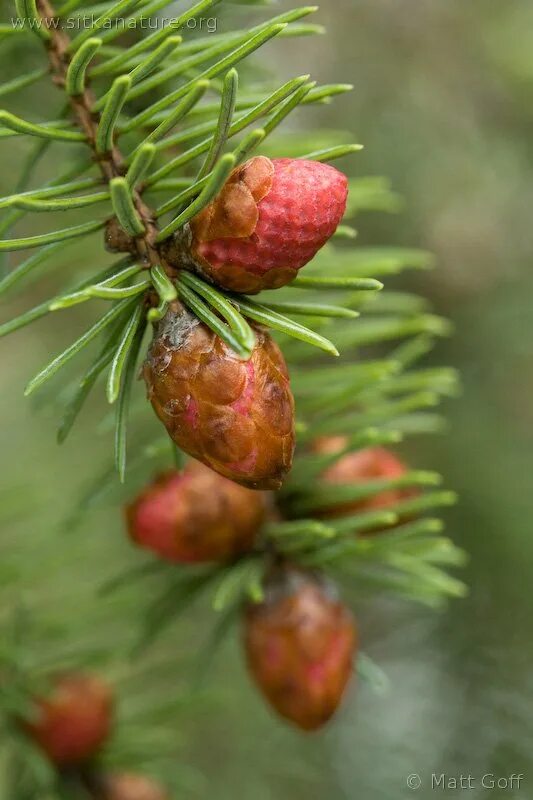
x=487, y=781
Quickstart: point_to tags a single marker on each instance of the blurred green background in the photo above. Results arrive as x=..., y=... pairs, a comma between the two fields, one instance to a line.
x=443, y=103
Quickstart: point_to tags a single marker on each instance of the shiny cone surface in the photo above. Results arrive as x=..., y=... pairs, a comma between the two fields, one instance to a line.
x=196, y=516
x=300, y=644
x=73, y=722
x=269, y=220
x=235, y=416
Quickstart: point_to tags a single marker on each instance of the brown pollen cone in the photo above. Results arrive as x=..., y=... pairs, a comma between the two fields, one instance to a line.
x=300, y=644
x=73, y=722
x=196, y=516
x=235, y=416
x=129, y=786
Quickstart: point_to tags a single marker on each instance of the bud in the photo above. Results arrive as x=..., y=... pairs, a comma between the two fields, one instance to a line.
x=195, y=516
x=360, y=466
x=74, y=720
x=128, y=786
x=235, y=416
x=300, y=644
x=269, y=220
x=116, y=239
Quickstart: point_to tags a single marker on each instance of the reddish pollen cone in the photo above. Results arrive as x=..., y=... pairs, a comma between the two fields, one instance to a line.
x=196, y=516
x=73, y=722
x=269, y=220
x=235, y=416
x=300, y=645
x=360, y=466
x=128, y=786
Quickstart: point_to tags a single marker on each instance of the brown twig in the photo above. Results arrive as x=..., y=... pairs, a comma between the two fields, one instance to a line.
x=111, y=164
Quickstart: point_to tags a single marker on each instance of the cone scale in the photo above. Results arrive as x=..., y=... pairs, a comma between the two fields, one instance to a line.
x=270, y=219
x=235, y=416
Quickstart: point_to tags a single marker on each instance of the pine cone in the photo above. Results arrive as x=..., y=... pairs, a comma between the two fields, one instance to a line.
x=196, y=516
x=235, y=416
x=269, y=220
x=300, y=643
x=73, y=722
x=128, y=786
x=359, y=466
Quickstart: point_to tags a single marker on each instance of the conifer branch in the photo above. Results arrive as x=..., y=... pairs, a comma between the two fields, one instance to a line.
x=105, y=151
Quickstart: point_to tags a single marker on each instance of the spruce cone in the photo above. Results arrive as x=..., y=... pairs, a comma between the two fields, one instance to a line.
x=359, y=466
x=196, y=516
x=128, y=786
x=269, y=220
x=235, y=416
x=73, y=722
x=300, y=645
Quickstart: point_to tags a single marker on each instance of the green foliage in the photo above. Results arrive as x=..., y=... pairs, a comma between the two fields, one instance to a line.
x=178, y=145
x=152, y=61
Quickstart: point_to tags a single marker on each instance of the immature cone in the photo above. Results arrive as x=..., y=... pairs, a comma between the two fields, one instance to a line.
x=300, y=644
x=195, y=516
x=235, y=416
x=360, y=466
x=128, y=786
x=74, y=720
x=269, y=220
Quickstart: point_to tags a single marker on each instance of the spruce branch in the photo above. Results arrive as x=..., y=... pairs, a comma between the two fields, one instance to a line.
x=371, y=531
x=99, y=136
x=69, y=60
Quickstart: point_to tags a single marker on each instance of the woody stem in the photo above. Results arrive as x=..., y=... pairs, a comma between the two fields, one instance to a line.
x=111, y=164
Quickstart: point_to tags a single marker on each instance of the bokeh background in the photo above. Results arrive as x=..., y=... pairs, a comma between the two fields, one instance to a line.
x=443, y=102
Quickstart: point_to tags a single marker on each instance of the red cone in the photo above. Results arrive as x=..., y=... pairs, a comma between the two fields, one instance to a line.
x=269, y=220
x=196, y=516
x=74, y=720
x=358, y=467
x=300, y=644
x=128, y=786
